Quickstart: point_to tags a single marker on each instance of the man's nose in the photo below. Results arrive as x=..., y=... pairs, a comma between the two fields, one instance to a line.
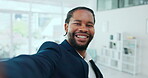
x=83, y=28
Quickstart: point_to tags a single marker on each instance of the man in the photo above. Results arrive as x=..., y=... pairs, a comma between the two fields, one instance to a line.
x=66, y=60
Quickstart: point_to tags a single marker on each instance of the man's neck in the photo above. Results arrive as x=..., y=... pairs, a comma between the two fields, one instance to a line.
x=82, y=53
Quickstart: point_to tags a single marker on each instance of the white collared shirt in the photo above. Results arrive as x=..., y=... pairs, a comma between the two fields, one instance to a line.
x=91, y=73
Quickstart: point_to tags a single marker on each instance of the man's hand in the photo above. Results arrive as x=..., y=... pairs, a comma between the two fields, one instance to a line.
x=2, y=70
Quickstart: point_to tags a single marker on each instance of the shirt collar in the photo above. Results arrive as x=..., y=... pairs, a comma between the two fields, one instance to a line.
x=87, y=57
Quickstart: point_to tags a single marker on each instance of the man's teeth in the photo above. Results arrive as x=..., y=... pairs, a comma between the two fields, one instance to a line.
x=81, y=36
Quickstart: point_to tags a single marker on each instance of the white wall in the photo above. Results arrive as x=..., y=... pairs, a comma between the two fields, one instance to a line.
x=130, y=20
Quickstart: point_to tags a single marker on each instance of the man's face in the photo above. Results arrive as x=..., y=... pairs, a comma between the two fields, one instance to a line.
x=80, y=29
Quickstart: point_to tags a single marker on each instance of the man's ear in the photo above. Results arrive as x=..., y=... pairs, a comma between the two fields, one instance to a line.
x=66, y=27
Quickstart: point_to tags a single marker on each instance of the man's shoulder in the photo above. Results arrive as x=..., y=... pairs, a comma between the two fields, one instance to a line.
x=48, y=45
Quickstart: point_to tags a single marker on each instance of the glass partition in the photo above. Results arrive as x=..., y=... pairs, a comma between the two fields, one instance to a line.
x=114, y=4
x=45, y=27
x=23, y=29
x=20, y=36
x=5, y=35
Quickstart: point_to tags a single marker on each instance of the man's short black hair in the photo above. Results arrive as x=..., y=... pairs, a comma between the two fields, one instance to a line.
x=70, y=13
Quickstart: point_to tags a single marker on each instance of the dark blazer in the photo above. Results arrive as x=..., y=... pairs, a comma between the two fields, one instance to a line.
x=51, y=61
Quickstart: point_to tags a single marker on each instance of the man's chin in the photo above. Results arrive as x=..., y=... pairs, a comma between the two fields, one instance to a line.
x=80, y=47
x=81, y=43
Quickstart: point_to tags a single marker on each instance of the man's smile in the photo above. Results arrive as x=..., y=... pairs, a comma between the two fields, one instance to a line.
x=82, y=37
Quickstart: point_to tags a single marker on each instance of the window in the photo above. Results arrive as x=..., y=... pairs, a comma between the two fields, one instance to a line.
x=113, y=4
x=5, y=35
x=23, y=29
x=45, y=27
x=20, y=36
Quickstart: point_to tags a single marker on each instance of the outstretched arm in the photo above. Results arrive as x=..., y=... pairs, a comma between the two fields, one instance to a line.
x=40, y=65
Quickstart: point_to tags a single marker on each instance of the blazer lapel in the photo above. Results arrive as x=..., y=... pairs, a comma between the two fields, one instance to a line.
x=70, y=49
x=74, y=52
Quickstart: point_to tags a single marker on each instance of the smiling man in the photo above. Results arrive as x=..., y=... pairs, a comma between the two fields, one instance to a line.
x=66, y=60
x=80, y=29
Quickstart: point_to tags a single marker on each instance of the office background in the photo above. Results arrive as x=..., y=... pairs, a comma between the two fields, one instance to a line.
x=26, y=24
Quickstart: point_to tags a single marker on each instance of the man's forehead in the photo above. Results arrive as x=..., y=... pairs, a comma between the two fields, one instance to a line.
x=81, y=13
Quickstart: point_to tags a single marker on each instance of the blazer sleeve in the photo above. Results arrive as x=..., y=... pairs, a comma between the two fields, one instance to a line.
x=40, y=65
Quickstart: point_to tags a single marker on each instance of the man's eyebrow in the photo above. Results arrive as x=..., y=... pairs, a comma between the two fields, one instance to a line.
x=77, y=21
x=90, y=22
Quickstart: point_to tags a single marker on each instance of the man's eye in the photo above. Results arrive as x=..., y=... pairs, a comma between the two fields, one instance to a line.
x=77, y=23
x=89, y=25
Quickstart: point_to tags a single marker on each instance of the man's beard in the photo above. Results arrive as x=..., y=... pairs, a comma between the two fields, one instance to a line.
x=74, y=44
